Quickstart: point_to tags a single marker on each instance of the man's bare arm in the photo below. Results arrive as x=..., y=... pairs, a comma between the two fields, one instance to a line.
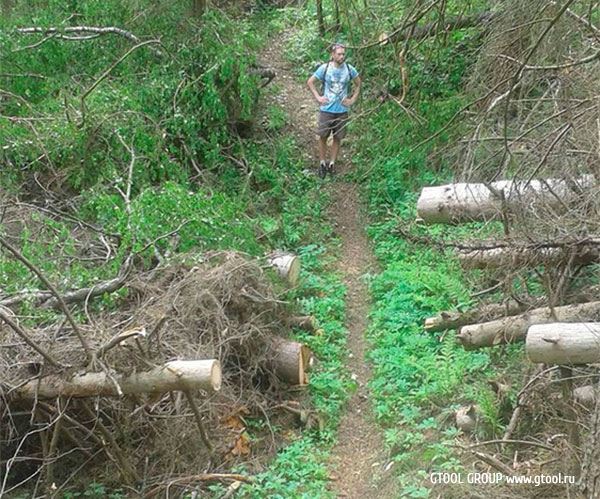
x=357, y=81
x=313, y=90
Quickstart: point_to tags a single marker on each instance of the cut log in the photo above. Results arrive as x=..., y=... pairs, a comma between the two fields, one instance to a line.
x=517, y=257
x=466, y=418
x=454, y=320
x=585, y=395
x=290, y=361
x=564, y=343
x=186, y=375
x=453, y=203
x=287, y=266
x=306, y=322
x=512, y=329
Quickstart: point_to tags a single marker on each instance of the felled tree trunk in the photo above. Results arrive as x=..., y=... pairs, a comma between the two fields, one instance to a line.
x=511, y=329
x=287, y=266
x=514, y=257
x=463, y=202
x=563, y=344
x=290, y=361
x=453, y=320
x=185, y=375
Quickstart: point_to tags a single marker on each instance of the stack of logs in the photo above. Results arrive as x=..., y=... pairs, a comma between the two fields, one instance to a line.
x=561, y=335
x=548, y=338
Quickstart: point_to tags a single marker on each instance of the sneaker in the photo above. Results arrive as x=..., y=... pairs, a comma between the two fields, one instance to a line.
x=322, y=170
x=331, y=168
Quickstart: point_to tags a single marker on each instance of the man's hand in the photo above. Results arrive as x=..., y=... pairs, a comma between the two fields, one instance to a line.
x=347, y=102
x=321, y=99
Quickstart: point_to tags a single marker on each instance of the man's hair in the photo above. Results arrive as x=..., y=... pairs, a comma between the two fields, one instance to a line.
x=337, y=46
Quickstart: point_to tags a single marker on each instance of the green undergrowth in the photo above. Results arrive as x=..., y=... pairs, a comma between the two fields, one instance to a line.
x=419, y=378
x=301, y=469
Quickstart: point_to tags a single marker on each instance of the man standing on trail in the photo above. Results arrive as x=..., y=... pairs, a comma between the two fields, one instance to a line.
x=334, y=103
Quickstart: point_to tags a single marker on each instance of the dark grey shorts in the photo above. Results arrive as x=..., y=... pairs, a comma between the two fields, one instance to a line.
x=332, y=123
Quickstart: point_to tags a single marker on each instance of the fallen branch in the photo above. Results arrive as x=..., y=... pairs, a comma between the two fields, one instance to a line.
x=27, y=339
x=19, y=256
x=267, y=73
x=109, y=70
x=453, y=320
x=495, y=463
x=85, y=294
x=59, y=32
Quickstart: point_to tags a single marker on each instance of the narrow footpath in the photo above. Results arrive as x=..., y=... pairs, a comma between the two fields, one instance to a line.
x=359, y=467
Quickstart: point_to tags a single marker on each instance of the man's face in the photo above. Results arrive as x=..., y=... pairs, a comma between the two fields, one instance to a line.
x=339, y=54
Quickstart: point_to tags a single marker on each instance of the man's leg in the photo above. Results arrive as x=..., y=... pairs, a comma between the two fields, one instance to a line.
x=322, y=148
x=339, y=132
x=335, y=148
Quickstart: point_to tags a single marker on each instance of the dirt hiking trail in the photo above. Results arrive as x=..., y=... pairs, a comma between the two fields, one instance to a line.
x=359, y=467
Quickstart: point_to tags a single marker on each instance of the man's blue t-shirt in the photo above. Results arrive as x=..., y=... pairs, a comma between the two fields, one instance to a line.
x=336, y=85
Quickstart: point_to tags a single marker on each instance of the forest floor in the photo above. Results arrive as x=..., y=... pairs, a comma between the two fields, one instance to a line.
x=359, y=467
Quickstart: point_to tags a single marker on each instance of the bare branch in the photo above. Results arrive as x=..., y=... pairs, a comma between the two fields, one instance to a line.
x=59, y=32
x=19, y=256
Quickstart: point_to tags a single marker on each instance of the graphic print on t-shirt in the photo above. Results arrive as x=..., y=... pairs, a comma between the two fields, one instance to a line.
x=336, y=85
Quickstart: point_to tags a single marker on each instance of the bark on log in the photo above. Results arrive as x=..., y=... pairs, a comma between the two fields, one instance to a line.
x=290, y=361
x=564, y=343
x=287, y=266
x=513, y=257
x=512, y=329
x=453, y=320
x=176, y=375
x=453, y=203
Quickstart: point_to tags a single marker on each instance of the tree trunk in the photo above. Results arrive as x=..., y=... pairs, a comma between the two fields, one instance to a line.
x=516, y=257
x=320, y=22
x=176, y=375
x=564, y=344
x=336, y=13
x=511, y=329
x=454, y=203
x=290, y=361
x=454, y=320
x=287, y=266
